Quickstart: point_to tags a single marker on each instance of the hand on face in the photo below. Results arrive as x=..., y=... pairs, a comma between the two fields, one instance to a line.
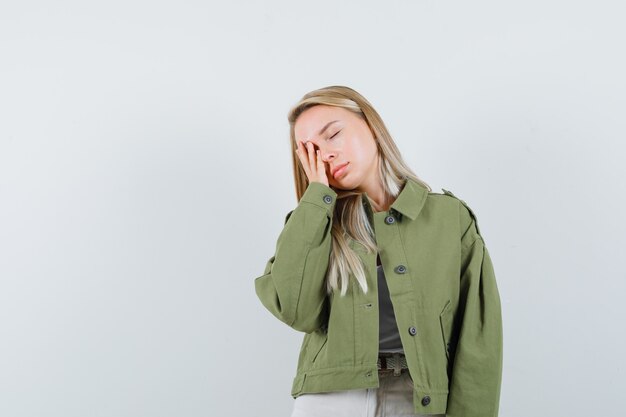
x=312, y=163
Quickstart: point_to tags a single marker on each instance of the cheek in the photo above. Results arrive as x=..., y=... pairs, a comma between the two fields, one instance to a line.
x=358, y=154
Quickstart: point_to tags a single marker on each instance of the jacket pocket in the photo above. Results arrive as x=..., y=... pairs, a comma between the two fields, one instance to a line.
x=317, y=342
x=445, y=320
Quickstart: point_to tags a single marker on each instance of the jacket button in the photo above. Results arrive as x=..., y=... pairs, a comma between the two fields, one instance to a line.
x=426, y=400
x=400, y=269
x=328, y=199
x=389, y=219
x=412, y=331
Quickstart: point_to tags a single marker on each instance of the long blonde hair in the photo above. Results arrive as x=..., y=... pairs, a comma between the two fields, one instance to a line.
x=350, y=219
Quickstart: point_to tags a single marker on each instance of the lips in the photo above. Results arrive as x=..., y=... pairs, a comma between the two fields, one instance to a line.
x=337, y=168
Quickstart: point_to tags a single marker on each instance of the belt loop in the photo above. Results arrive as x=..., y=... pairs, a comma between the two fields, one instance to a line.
x=397, y=366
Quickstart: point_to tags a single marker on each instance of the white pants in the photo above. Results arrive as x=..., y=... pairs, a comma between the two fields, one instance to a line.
x=394, y=397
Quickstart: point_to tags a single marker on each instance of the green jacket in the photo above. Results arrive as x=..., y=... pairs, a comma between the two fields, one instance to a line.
x=443, y=290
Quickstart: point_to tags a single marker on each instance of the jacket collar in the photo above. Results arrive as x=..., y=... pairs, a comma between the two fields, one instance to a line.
x=409, y=201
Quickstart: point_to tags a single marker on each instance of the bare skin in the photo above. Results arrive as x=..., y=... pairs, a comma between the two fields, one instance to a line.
x=347, y=140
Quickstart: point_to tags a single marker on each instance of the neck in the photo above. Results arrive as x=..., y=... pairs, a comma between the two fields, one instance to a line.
x=378, y=199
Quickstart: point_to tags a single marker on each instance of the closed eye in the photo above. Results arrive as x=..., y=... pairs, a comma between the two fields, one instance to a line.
x=335, y=134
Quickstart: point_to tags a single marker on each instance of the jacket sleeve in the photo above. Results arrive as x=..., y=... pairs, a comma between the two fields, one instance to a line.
x=477, y=367
x=293, y=284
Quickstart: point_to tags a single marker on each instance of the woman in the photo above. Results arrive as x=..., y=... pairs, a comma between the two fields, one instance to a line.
x=391, y=283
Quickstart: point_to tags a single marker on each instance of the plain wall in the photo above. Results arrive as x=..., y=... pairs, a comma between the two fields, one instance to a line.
x=145, y=174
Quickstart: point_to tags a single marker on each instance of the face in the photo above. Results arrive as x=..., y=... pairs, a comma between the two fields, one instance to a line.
x=346, y=139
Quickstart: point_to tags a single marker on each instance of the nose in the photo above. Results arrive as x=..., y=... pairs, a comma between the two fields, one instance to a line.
x=327, y=155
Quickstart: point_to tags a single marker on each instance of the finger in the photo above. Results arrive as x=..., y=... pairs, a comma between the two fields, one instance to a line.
x=312, y=162
x=304, y=160
x=320, y=163
x=298, y=149
x=299, y=152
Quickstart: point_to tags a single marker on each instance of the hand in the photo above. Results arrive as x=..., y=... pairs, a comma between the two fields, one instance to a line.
x=312, y=163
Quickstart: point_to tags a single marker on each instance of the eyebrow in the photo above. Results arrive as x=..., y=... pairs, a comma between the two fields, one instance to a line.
x=321, y=132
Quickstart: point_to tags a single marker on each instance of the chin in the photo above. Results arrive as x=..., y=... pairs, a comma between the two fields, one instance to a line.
x=344, y=186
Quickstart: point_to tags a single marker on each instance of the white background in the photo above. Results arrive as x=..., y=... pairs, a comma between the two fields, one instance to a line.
x=145, y=174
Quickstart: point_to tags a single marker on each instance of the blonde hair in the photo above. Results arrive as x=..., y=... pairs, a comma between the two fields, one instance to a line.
x=350, y=218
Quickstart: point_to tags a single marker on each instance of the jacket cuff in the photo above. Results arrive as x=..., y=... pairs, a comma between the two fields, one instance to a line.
x=320, y=195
